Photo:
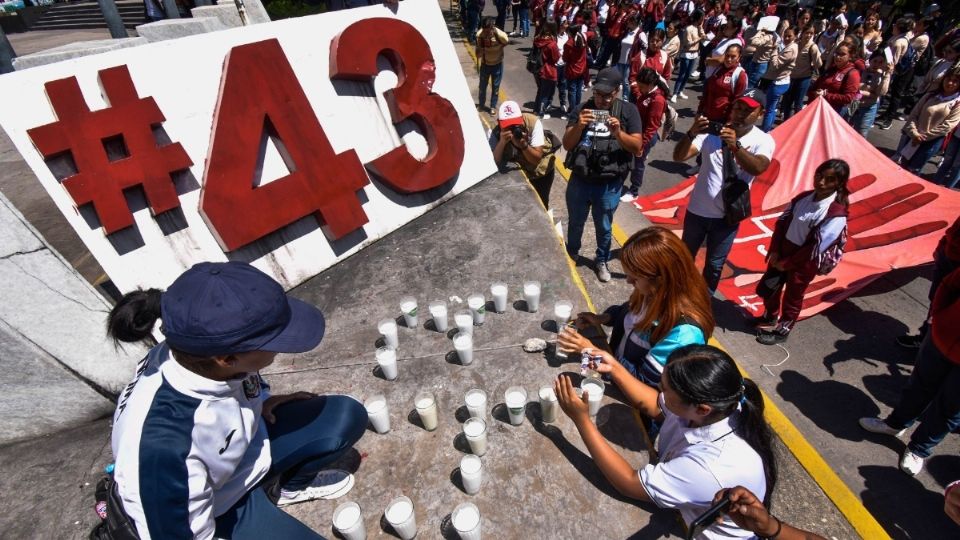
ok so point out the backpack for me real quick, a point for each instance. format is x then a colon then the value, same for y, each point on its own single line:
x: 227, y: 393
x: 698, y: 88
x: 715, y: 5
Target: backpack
x: 924, y: 62
x: 603, y: 160
x: 907, y: 61
x: 830, y: 258
x: 669, y: 125
x: 534, y: 60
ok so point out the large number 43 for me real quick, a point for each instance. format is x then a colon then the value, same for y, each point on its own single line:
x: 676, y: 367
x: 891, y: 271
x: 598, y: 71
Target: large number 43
x: 259, y: 91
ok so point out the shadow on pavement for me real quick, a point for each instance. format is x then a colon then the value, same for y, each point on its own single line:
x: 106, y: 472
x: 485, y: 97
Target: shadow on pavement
x: 871, y: 338
x: 887, y: 489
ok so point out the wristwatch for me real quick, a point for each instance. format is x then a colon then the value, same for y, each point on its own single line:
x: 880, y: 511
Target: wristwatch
x: 739, y: 145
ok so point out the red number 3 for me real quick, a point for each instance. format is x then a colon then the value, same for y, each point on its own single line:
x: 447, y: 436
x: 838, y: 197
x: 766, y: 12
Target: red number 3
x: 353, y: 55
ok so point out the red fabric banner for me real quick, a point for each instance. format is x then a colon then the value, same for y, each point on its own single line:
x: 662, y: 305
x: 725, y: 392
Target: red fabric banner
x: 896, y: 218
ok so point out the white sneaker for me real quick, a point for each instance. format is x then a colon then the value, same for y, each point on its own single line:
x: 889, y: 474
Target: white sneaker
x: 673, y: 98
x: 694, y: 74
x: 876, y: 425
x: 628, y: 197
x: 329, y: 484
x: 910, y: 463
x: 683, y: 96
x: 546, y: 116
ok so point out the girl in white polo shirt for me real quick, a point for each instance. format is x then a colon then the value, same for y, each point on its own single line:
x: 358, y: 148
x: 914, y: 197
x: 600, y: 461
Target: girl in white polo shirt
x: 713, y: 435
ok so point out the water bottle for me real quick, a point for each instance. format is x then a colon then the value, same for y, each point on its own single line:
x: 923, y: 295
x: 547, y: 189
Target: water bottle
x: 587, y: 140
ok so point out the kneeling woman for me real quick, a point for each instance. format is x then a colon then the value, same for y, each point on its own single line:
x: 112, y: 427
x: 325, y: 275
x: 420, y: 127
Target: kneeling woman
x: 201, y: 447
x: 668, y: 308
x: 713, y: 435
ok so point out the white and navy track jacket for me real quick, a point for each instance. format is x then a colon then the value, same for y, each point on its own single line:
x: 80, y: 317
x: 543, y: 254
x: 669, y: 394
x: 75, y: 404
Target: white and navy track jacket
x: 186, y: 447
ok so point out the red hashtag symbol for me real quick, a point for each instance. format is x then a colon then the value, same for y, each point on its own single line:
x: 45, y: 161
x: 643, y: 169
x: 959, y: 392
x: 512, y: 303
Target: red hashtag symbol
x: 82, y: 133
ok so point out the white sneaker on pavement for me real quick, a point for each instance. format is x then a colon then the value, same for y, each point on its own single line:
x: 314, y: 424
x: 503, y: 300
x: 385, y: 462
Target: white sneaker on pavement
x: 328, y: 484
x: 910, y: 463
x: 628, y: 197
x: 673, y: 98
x: 683, y: 96
x: 877, y: 425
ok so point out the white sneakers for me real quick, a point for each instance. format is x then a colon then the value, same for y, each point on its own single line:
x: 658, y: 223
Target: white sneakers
x: 877, y: 425
x: 683, y: 96
x: 673, y: 98
x: 329, y: 484
x: 910, y: 463
x: 628, y: 197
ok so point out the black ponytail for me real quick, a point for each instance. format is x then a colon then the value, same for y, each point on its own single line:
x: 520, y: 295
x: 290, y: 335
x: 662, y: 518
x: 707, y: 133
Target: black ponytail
x: 648, y: 75
x: 702, y: 374
x: 133, y: 317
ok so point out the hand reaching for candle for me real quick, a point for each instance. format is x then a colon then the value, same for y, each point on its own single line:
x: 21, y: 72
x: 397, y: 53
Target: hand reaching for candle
x: 571, y: 341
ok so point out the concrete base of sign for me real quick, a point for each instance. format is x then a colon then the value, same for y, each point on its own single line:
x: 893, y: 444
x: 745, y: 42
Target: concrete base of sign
x: 227, y: 14
x: 178, y: 28
x: 256, y: 13
x: 74, y: 50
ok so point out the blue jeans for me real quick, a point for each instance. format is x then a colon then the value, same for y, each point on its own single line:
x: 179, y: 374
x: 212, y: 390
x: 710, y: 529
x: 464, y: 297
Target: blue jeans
x: 864, y: 118
x: 574, y: 91
x: 684, y: 67
x: 923, y: 154
x: 755, y: 72
x: 473, y: 23
x: 719, y: 236
x: 584, y: 197
x: 625, y: 75
x: 545, y: 95
x: 307, y: 435
x: 774, y: 93
x: 932, y: 395
x: 493, y: 75
x: 795, y: 96
x: 640, y: 165
x: 524, y: 20
x: 949, y: 172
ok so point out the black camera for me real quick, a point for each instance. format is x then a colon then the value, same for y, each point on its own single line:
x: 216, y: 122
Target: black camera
x: 518, y: 132
x: 714, y: 128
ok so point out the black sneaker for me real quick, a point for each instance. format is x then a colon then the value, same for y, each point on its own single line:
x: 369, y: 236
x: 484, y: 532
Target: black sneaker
x: 884, y: 124
x: 772, y: 337
x: 908, y: 341
x: 763, y: 320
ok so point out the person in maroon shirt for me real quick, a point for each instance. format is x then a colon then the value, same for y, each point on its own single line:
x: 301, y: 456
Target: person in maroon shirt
x: 575, y: 66
x: 724, y: 86
x: 546, y: 43
x: 654, y: 58
x: 841, y: 82
x: 653, y: 93
x: 653, y: 13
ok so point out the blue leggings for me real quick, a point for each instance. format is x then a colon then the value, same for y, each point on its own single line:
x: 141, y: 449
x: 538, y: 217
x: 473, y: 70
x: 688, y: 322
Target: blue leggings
x: 307, y: 435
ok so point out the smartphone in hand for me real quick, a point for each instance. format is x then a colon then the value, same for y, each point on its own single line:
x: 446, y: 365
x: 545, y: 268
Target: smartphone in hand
x: 708, y: 518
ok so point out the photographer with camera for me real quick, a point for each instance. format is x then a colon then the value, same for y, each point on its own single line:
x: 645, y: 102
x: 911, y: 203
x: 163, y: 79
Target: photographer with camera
x: 733, y: 154
x: 520, y: 138
x: 601, y: 139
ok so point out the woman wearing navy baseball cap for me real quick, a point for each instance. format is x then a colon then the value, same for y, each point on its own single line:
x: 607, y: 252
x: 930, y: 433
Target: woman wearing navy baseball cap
x: 194, y: 457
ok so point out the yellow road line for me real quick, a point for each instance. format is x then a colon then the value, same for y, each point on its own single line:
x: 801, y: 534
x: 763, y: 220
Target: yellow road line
x: 836, y: 490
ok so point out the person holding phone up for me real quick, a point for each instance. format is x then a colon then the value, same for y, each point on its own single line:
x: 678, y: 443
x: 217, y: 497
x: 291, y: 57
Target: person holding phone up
x: 749, y: 513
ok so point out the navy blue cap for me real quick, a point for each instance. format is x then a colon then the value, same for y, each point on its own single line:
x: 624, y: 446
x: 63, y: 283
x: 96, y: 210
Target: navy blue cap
x: 231, y: 307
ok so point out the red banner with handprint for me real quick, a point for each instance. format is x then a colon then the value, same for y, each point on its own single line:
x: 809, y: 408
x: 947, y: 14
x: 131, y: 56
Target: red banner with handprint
x: 895, y: 221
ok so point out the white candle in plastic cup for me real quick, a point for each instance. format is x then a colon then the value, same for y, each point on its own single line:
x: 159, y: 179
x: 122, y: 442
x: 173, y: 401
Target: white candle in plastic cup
x: 499, y: 292
x: 438, y: 312
x: 478, y: 308
x: 556, y: 350
x: 387, y: 358
x: 348, y: 521
x: 476, y: 402
x: 531, y: 293
x: 562, y: 311
x: 463, y: 343
x: 516, y: 401
x: 378, y: 412
x: 475, y: 430
x: 427, y: 409
x: 388, y: 329
x: 400, y: 515
x: 466, y: 520
x: 471, y: 473
x: 548, y: 404
x: 408, y: 306
x: 594, y: 390
x: 464, y: 321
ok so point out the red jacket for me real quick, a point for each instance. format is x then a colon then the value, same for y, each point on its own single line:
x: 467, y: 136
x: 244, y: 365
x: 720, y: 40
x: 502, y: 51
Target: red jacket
x: 842, y: 86
x: 800, y: 257
x: 949, y: 245
x: 616, y: 24
x: 575, y: 58
x: 651, y: 107
x: 655, y: 10
x: 721, y: 90
x: 945, y: 315
x: 660, y: 62
x: 550, y: 54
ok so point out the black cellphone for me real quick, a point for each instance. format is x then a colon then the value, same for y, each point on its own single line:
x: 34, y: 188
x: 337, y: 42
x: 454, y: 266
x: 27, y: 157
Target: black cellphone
x: 708, y: 518
x: 714, y: 128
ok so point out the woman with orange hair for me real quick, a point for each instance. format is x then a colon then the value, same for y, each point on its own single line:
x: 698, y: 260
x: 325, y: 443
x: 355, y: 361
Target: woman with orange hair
x: 668, y: 308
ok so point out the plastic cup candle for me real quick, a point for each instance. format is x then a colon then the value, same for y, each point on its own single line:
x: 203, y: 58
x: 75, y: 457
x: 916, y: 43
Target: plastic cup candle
x: 471, y: 472
x: 475, y: 430
x: 594, y: 390
x: 438, y: 312
x: 516, y: 400
x: 399, y: 514
x: 427, y: 409
x: 387, y: 358
x: 477, y: 304
x: 499, y: 292
x: 531, y: 293
x: 348, y: 521
x: 463, y: 343
x: 464, y: 321
x: 379, y: 413
x: 388, y: 329
x: 408, y: 306
x: 562, y: 311
x: 548, y: 404
x: 466, y: 520
x: 476, y: 402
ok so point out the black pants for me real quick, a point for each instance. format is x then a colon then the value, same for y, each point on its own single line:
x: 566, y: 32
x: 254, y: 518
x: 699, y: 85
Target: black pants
x: 542, y: 185
x: 899, y: 91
